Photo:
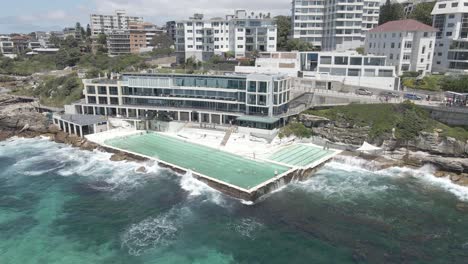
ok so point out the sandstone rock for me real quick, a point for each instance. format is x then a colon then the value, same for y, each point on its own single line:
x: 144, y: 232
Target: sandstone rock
x: 117, y: 157
x: 142, y: 169
x: 462, y: 207
x: 455, y: 177
x: 439, y: 174
x: 463, y: 181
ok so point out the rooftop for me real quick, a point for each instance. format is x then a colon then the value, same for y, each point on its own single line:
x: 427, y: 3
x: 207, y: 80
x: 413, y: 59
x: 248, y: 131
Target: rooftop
x: 403, y: 25
x: 83, y: 120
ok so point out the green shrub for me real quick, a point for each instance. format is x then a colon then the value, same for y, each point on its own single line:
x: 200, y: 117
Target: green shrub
x: 295, y: 128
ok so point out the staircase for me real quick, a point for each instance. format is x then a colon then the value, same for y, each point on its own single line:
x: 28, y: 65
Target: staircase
x: 227, y: 135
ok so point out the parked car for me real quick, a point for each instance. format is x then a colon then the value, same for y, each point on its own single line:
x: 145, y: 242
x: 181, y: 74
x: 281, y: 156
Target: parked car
x: 412, y: 97
x: 362, y: 91
x: 389, y: 94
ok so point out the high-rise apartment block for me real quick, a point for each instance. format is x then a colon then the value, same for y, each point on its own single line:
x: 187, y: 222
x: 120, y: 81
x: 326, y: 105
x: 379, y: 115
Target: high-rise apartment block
x: 104, y: 24
x: 334, y: 25
x: 451, y: 50
x: 242, y: 34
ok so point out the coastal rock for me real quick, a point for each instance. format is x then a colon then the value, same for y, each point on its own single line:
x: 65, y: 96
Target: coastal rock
x: 142, y: 169
x: 462, y: 207
x: 455, y: 177
x: 118, y: 157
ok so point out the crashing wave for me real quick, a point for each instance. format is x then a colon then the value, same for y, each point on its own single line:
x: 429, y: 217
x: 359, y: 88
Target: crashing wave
x: 154, y: 232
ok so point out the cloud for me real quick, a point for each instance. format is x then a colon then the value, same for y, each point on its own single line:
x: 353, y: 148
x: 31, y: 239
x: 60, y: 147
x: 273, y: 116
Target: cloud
x: 159, y: 11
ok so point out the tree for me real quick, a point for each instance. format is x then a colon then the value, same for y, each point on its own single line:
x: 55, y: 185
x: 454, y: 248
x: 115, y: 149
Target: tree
x: 422, y: 13
x: 70, y: 42
x: 162, y: 41
x: 360, y: 50
x: 390, y: 12
x: 102, y: 39
x: 88, y: 31
x: 299, y: 45
x: 55, y: 41
x: 283, y: 24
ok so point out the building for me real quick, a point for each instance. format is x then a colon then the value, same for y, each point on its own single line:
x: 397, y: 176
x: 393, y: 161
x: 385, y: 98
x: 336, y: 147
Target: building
x: 451, y: 19
x: 327, y: 68
x: 80, y: 125
x: 20, y: 42
x: 142, y: 35
x: 334, y: 25
x: 255, y: 100
x: 410, y: 5
x: 171, y: 29
x: 105, y: 24
x: 407, y: 44
x: 7, y: 47
x: 118, y: 42
x: 241, y: 34
x: 458, y: 56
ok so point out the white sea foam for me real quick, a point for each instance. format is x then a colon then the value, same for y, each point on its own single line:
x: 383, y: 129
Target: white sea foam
x: 119, y: 177
x: 196, y: 188
x: 246, y: 227
x: 363, y: 181
x: 154, y: 232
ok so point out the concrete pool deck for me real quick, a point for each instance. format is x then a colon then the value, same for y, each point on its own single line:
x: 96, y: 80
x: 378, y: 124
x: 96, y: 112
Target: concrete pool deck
x: 239, y: 176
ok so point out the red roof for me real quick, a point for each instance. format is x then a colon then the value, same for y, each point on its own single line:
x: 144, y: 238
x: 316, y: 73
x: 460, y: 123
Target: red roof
x: 403, y: 25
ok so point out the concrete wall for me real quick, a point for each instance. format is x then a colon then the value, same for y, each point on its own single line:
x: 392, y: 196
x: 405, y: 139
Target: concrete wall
x: 450, y: 115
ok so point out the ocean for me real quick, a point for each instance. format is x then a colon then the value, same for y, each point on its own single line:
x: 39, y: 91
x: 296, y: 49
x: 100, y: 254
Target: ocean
x: 63, y: 205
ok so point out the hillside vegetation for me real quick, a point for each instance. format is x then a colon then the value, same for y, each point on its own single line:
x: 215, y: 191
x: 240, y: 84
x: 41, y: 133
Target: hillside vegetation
x: 407, y: 119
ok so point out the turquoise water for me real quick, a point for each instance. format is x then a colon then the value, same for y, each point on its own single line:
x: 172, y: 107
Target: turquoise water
x: 62, y: 205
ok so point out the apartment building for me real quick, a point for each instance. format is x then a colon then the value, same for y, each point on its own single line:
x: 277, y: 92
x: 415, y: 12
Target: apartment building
x: 142, y: 35
x: 7, y: 47
x: 256, y: 100
x: 451, y: 19
x: 410, y: 5
x: 20, y: 42
x: 346, y: 68
x: 241, y: 33
x: 407, y: 44
x: 118, y: 42
x: 104, y: 24
x: 334, y: 25
x: 171, y: 29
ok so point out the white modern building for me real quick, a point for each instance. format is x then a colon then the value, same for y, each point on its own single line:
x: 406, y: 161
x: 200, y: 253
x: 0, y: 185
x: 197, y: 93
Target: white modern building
x: 104, y: 24
x: 410, y: 5
x: 407, y: 44
x: 241, y: 34
x: 451, y: 19
x: 334, y: 25
x: 255, y: 100
x: 7, y: 47
x: 347, y: 68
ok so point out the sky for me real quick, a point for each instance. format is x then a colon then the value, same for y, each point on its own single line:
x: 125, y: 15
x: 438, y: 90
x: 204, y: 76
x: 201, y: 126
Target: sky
x: 24, y: 16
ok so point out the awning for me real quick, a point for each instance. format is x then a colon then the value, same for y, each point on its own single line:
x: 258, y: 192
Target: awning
x: 366, y: 147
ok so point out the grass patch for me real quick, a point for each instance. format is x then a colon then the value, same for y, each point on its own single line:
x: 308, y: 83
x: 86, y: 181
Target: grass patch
x: 428, y: 83
x: 295, y: 128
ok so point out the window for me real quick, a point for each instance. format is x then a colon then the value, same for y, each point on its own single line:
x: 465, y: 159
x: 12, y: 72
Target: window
x: 262, y: 87
x: 423, y: 50
x: 391, y: 56
x: 408, y: 44
x: 454, y: 4
x: 442, y: 5
x: 448, y: 34
x: 252, y: 87
x: 90, y: 89
x: 422, y: 60
x: 325, y: 60
x: 392, y: 45
x: 425, y: 34
x: 341, y: 60
x: 356, y: 61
